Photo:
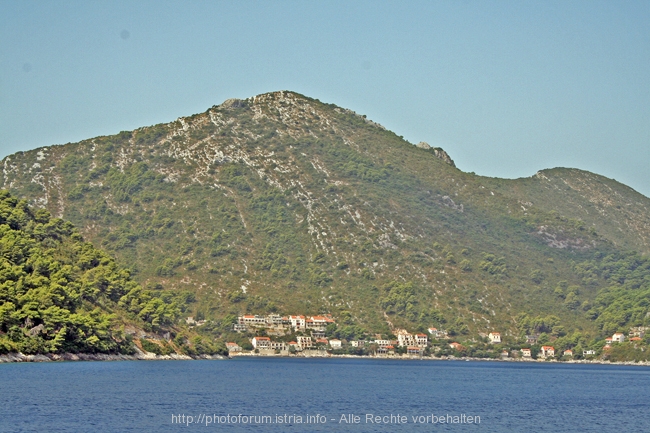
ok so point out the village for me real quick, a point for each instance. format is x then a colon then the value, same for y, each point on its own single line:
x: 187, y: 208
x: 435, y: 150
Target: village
x: 275, y: 335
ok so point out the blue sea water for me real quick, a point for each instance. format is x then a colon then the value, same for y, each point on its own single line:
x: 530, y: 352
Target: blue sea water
x: 161, y: 396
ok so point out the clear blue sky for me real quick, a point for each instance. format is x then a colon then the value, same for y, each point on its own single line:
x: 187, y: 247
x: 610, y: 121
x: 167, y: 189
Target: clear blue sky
x: 507, y: 88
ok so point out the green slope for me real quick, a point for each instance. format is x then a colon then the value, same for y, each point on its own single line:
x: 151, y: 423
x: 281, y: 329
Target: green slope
x: 61, y: 294
x: 612, y: 209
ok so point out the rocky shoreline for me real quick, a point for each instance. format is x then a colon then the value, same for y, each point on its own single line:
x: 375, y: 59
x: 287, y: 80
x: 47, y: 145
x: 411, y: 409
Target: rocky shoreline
x: 147, y: 356
x: 443, y: 358
x: 138, y: 356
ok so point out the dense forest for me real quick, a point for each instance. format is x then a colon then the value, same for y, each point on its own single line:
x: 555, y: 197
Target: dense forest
x: 61, y: 294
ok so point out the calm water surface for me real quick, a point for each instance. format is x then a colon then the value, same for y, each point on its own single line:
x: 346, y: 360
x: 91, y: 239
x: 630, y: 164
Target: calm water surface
x: 154, y: 396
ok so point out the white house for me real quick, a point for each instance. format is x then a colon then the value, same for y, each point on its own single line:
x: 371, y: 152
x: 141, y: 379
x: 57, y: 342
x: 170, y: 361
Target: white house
x: 618, y: 337
x: 261, y: 342
x: 588, y: 352
x: 382, y: 343
x: 421, y: 340
x: 278, y: 345
x: 494, y: 337
x: 274, y: 320
x: 526, y: 353
x: 297, y: 322
x: 335, y: 343
x: 233, y: 347
x: 546, y: 352
x: 568, y: 352
x: 437, y: 333
x: 250, y: 320
x: 405, y: 339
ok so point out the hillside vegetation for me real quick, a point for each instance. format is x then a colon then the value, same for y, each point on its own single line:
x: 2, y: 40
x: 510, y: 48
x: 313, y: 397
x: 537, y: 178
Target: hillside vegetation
x: 61, y: 294
x: 281, y: 203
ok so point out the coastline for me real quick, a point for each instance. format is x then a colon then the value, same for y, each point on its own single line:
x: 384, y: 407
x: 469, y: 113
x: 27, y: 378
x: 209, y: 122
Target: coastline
x: 140, y: 356
x: 147, y: 356
x: 430, y: 358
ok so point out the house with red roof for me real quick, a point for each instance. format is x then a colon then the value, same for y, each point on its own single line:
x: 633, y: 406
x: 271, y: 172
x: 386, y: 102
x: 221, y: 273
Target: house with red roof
x: 297, y: 322
x: 261, y: 342
x: 456, y: 346
x: 437, y: 333
x: 494, y: 337
x: 322, y: 341
x: 233, y: 347
x: 547, y: 351
x: 413, y: 350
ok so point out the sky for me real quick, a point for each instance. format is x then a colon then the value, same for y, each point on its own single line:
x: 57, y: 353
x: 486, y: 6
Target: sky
x: 507, y: 88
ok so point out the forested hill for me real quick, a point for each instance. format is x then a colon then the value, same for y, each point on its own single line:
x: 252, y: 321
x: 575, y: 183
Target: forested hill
x: 282, y: 203
x: 61, y: 294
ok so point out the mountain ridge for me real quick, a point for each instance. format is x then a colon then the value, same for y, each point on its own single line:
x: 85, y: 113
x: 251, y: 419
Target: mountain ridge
x: 282, y: 203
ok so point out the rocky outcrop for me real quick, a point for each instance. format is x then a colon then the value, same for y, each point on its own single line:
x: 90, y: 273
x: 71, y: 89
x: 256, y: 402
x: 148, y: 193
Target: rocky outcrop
x: 437, y: 151
x: 233, y: 103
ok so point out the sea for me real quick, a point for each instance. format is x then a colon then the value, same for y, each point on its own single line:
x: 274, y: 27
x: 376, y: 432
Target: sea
x: 256, y: 394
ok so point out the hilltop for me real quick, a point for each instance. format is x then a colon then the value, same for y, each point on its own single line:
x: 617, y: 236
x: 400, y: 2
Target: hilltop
x: 282, y: 203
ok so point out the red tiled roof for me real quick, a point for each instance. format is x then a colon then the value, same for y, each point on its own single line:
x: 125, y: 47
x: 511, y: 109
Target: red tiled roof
x: 262, y: 338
